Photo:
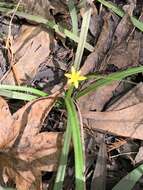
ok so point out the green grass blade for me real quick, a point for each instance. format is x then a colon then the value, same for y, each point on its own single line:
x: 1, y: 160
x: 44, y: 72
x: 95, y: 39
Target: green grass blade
x: 7, y: 5
x: 49, y: 24
x: 17, y: 95
x: 82, y: 38
x: 138, y: 24
x: 6, y: 188
x: 73, y: 14
x: 23, y: 89
x: 105, y: 80
x: 130, y: 180
x: 63, y: 159
x: 77, y: 142
x: 113, y: 7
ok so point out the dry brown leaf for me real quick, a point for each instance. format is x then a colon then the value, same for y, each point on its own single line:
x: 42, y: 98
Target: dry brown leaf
x: 94, y: 60
x: 124, y: 27
x: 125, y: 55
x: 24, y: 151
x: 134, y: 96
x: 30, y: 48
x: 97, y: 100
x: 117, y: 45
x: 43, y: 7
x: 123, y: 52
x: 124, y: 120
x: 99, y: 175
x: 126, y: 45
x: 140, y: 60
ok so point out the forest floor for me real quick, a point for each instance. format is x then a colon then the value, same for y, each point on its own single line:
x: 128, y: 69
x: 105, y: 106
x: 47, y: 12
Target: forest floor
x: 105, y: 43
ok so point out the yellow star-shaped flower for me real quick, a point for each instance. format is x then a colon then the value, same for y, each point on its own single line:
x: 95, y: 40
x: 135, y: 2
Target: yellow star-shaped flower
x: 74, y: 77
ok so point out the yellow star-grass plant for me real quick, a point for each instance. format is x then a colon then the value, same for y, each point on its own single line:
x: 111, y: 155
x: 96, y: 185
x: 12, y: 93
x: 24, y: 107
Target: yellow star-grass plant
x: 74, y: 77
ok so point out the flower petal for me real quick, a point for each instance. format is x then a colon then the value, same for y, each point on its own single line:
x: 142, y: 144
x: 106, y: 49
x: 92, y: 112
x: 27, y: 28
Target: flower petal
x: 73, y: 71
x: 76, y: 84
x: 70, y: 81
x: 68, y: 75
x: 82, y: 78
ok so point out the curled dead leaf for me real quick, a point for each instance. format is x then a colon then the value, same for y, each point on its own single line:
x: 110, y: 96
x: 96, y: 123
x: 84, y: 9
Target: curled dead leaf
x: 123, y: 119
x: 30, y: 49
x: 25, y: 152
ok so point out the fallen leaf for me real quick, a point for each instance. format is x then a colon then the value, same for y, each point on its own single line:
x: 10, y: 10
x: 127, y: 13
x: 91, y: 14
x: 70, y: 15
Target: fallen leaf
x: 99, y: 175
x: 123, y: 56
x: 97, y: 100
x: 117, y: 43
x: 124, y: 27
x: 140, y: 60
x: 96, y: 22
x: 124, y: 120
x: 44, y: 7
x: 30, y: 49
x: 35, y: 7
x: 132, y: 97
x: 93, y: 61
x: 126, y: 45
x: 25, y: 152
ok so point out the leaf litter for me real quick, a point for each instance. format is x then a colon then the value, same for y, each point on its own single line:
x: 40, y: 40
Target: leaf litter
x: 24, y: 151
x: 112, y: 115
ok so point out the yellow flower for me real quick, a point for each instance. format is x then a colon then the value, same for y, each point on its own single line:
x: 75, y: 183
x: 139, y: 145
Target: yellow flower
x: 74, y: 77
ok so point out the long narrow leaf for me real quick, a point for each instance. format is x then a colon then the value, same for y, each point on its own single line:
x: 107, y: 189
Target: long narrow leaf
x: 82, y: 38
x: 23, y: 89
x: 138, y: 24
x: 63, y: 159
x: 105, y: 80
x: 130, y: 180
x: 50, y: 24
x: 78, y: 150
x: 17, y: 95
x: 6, y: 188
x: 73, y: 14
x: 7, y: 5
